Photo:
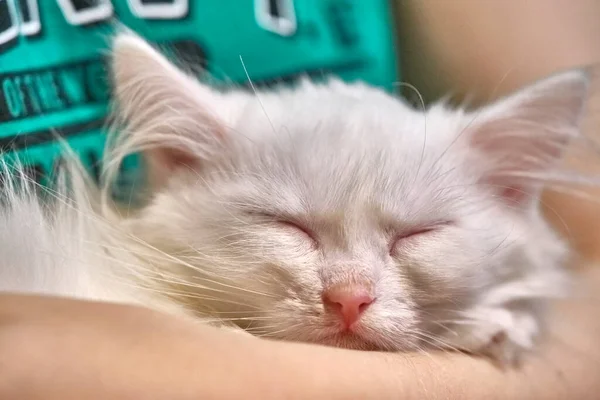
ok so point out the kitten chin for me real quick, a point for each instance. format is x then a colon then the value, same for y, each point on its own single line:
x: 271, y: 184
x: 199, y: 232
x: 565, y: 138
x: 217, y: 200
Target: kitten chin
x: 328, y: 213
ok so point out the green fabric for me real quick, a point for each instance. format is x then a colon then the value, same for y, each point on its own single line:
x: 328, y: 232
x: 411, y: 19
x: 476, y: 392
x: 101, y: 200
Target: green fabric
x: 52, y: 75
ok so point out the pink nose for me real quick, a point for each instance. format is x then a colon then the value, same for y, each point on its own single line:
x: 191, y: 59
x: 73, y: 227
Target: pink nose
x: 349, y: 301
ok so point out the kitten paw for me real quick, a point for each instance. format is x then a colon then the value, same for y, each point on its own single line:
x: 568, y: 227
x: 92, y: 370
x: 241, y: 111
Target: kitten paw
x: 504, y: 335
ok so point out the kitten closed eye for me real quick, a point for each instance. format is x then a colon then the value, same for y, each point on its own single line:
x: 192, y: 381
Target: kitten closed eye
x: 288, y: 224
x: 295, y: 226
x: 401, y: 238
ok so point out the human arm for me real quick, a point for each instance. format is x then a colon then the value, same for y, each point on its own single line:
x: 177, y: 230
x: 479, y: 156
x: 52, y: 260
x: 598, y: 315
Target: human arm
x: 57, y: 349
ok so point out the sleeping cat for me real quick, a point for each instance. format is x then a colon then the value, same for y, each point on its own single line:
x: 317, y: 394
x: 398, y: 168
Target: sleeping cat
x: 330, y: 213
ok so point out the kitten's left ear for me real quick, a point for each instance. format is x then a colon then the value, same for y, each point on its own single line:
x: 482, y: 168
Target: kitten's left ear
x: 174, y: 119
x: 520, y: 139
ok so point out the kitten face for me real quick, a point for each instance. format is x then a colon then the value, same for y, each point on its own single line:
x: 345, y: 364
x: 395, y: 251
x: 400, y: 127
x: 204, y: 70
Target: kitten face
x: 336, y: 214
x: 291, y: 218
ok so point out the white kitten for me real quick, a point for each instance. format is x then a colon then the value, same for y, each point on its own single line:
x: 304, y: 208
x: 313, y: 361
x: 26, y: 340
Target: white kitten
x: 329, y: 213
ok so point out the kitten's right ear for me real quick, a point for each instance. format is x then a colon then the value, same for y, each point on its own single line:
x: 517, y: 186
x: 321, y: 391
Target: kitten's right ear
x: 171, y: 117
x: 521, y: 138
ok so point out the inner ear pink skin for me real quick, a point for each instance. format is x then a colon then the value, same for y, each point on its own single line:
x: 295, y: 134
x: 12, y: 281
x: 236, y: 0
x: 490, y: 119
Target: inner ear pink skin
x: 173, y: 158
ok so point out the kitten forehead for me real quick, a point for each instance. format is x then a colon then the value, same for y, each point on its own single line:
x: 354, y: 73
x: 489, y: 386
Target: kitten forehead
x: 321, y: 124
x: 371, y: 153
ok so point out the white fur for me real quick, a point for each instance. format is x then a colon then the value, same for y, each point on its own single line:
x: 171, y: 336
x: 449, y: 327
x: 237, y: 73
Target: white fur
x: 352, y: 165
x: 62, y: 245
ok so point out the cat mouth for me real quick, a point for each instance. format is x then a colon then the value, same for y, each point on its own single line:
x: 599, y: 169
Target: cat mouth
x: 351, y: 340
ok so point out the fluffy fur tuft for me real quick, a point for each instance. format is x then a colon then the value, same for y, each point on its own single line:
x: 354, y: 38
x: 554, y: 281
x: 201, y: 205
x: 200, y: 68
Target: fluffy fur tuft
x: 261, y: 201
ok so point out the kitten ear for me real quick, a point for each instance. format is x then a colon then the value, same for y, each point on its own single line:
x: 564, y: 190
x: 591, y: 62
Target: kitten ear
x: 521, y: 138
x: 170, y: 116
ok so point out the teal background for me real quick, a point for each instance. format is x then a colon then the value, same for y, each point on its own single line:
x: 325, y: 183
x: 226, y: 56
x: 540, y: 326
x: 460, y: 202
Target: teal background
x: 225, y: 29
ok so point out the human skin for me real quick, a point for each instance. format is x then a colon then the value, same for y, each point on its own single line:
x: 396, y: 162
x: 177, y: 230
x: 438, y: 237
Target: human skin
x: 59, y: 349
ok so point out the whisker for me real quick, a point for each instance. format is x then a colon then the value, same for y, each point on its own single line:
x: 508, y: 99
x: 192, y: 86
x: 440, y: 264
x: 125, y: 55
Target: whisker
x: 256, y: 93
